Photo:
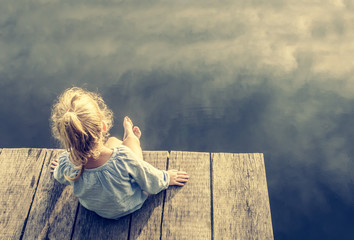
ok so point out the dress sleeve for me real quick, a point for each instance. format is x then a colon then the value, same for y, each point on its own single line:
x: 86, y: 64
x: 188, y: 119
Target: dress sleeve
x: 63, y: 168
x: 149, y: 178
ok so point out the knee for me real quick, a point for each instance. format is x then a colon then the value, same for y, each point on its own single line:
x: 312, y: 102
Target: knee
x: 113, y: 142
x: 113, y: 139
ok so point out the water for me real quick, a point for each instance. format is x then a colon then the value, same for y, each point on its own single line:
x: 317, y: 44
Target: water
x: 230, y: 77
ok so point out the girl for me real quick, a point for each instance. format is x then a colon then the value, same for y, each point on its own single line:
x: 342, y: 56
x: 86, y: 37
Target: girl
x: 108, y: 176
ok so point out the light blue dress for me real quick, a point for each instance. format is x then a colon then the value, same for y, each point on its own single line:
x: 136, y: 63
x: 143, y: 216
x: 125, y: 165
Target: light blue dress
x: 118, y: 187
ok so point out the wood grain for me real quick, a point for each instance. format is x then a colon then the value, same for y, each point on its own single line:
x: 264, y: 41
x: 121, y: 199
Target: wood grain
x: 146, y: 222
x: 187, y: 209
x: 53, y: 210
x: 20, y: 170
x: 240, y: 197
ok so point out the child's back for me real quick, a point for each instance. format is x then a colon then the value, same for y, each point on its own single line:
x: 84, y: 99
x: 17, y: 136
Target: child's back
x: 118, y: 187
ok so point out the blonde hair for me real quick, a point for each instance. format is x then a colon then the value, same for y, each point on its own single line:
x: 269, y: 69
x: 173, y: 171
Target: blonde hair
x: 77, y: 123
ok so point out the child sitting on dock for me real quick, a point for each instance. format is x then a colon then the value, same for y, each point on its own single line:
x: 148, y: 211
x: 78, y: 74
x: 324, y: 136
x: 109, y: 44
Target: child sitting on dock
x: 108, y: 176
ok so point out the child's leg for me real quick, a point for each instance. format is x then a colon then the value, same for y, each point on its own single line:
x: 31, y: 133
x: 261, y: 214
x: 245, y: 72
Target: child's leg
x: 133, y: 143
x: 113, y: 142
x: 131, y: 139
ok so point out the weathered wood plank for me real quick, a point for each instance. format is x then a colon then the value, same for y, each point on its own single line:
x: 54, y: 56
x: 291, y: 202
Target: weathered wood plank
x: 146, y: 222
x: 240, y: 197
x: 20, y: 170
x: 187, y: 210
x: 53, y: 210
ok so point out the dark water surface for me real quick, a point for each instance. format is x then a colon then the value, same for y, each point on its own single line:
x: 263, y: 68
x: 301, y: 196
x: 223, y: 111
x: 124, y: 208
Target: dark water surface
x: 273, y: 77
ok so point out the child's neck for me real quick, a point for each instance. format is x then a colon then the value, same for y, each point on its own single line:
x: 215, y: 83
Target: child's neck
x: 105, y: 155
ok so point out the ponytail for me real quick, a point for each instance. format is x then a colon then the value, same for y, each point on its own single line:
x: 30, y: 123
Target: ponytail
x: 75, y: 139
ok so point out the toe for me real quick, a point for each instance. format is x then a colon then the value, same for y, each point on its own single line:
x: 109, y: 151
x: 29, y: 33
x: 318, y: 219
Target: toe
x: 137, y: 131
x: 128, y: 122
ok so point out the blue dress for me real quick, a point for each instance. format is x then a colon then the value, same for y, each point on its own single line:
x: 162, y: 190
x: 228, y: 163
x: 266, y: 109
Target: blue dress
x: 118, y: 187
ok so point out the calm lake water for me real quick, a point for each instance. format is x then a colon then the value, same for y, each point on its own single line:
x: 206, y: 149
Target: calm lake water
x: 273, y: 77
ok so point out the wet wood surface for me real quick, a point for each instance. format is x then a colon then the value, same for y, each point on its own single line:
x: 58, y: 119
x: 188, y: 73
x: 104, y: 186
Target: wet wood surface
x: 225, y: 198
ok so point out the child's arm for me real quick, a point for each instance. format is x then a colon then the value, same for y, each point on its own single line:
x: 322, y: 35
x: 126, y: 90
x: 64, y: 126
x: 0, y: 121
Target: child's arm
x: 149, y: 178
x: 58, y: 167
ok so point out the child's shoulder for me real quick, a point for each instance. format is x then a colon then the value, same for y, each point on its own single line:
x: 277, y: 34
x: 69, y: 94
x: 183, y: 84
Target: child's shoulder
x: 64, y: 159
x: 64, y: 155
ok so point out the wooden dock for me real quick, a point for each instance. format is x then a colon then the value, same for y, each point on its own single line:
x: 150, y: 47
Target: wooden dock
x: 225, y: 198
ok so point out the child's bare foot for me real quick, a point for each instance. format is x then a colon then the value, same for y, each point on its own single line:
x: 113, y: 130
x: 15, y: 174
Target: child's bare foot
x: 127, y: 123
x: 128, y: 127
x: 137, y: 131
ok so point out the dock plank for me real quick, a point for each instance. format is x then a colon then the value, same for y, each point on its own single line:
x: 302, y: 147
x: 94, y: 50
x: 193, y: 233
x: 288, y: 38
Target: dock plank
x: 240, y: 197
x: 53, y: 210
x: 20, y: 170
x: 146, y: 222
x: 187, y: 210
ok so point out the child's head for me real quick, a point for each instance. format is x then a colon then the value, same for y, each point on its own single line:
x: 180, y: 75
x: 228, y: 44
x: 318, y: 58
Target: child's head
x: 81, y: 121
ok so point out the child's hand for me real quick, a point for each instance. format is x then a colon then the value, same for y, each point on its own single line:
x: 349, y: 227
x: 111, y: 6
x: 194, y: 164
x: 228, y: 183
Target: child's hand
x: 53, y: 165
x: 178, y: 178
